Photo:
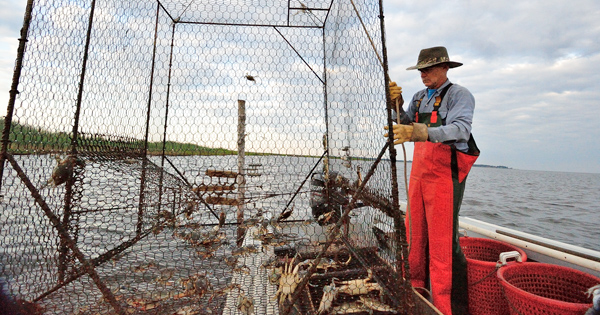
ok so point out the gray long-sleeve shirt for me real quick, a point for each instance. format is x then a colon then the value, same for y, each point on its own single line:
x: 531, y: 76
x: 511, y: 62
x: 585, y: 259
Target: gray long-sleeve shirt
x: 457, y: 108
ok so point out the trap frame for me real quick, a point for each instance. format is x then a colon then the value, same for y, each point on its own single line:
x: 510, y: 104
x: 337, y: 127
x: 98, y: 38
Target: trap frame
x: 146, y: 143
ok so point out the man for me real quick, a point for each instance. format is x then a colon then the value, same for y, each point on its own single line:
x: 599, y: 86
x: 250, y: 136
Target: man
x: 438, y: 120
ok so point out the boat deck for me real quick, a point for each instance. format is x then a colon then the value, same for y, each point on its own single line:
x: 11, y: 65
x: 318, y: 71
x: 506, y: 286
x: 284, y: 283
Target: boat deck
x: 254, y: 280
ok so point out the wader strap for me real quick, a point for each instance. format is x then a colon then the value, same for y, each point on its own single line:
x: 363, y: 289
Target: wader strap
x: 436, y: 106
x: 454, y: 163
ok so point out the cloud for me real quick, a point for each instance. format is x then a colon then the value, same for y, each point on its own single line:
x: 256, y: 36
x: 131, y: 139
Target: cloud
x: 11, y: 20
x: 533, y: 67
x: 11, y: 17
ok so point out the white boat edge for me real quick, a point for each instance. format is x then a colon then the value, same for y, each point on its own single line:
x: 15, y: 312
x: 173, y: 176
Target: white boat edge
x: 537, y: 248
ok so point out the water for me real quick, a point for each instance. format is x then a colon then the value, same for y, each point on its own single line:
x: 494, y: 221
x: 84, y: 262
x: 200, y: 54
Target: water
x: 556, y: 205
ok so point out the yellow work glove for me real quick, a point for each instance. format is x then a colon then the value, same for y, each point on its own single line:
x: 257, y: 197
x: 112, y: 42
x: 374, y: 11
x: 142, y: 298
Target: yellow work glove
x: 395, y: 91
x: 413, y: 133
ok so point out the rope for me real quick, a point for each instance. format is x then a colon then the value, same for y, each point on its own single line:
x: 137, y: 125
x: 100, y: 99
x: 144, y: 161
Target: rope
x: 498, y: 265
x: 181, y: 14
x: 405, y: 180
x: 366, y: 32
x: 425, y: 291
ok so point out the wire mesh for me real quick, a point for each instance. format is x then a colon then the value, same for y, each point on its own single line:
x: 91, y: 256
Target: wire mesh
x: 189, y: 157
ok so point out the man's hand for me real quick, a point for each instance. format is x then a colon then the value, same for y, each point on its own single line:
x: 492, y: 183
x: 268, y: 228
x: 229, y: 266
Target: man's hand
x: 395, y: 91
x: 404, y: 133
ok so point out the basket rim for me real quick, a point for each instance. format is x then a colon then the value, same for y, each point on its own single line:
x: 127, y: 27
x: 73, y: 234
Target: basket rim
x: 508, y: 285
x: 493, y: 241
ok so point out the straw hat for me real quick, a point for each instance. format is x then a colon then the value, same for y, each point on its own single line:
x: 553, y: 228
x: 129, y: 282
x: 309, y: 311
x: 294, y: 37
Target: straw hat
x: 432, y: 56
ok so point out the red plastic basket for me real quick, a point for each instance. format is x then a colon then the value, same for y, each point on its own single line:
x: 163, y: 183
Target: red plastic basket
x: 485, y: 293
x: 537, y: 288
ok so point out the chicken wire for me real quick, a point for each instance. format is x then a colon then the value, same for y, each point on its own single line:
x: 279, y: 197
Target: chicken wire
x: 166, y: 157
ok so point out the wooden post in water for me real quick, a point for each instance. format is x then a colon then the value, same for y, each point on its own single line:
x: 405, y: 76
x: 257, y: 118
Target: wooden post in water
x: 241, y: 179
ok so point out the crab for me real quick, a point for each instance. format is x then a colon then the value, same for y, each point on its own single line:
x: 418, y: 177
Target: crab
x: 64, y: 170
x: 363, y: 305
x: 375, y: 305
x: 274, y: 276
x: 197, y: 284
x: 246, y: 250
x: 288, y: 281
x: 329, y: 294
x: 326, y: 264
x: 360, y: 286
x: 245, y: 304
x: 348, y: 308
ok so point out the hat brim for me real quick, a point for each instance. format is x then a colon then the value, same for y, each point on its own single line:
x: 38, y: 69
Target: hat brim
x: 451, y: 64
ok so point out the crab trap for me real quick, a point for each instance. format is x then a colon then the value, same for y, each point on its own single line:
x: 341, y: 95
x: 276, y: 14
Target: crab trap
x: 195, y: 157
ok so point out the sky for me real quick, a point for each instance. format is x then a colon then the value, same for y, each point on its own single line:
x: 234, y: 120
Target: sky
x: 532, y: 65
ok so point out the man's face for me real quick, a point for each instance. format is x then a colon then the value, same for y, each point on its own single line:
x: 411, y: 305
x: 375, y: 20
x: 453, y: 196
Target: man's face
x: 433, y: 77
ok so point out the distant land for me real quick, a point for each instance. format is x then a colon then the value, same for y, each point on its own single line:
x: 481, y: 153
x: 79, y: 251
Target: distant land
x: 475, y: 165
x: 491, y: 166
x: 34, y: 140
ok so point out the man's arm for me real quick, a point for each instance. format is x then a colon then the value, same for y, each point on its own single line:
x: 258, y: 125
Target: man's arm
x: 461, y: 105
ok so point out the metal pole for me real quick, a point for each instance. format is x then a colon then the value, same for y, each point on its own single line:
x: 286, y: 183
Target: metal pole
x: 140, y: 219
x: 333, y: 233
x: 402, y: 266
x: 69, y: 185
x: 300, y: 186
x: 14, y: 89
x: 187, y: 183
x: 106, y: 292
x: 326, y: 135
x: 164, y: 144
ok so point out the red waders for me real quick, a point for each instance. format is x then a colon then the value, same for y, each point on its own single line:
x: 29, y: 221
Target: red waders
x: 437, y: 183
